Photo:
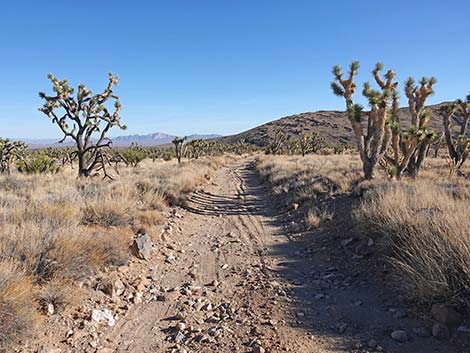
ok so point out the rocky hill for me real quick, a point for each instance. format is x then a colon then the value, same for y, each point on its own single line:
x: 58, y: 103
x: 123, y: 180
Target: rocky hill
x: 333, y: 125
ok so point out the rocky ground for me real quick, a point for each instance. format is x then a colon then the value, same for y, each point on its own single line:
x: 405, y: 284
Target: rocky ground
x: 229, y: 274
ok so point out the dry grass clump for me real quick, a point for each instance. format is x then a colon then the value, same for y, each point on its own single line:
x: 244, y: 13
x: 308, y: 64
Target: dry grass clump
x: 423, y: 223
x: 17, y: 315
x: 304, y: 179
x: 56, y: 230
x: 316, y: 216
x: 428, y: 227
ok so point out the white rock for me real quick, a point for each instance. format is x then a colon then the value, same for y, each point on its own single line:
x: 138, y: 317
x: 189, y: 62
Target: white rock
x: 104, y: 316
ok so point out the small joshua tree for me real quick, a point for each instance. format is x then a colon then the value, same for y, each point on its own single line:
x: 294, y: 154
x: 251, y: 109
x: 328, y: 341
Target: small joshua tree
x: 196, y: 148
x: 458, y: 147
x: 373, y: 142
x: 133, y: 155
x: 86, y: 119
x: 410, y: 146
x: 415, y: 142
x: 279, y: 143
x: 9, y: 152
x: 179, y: 147
x: 310, y: 142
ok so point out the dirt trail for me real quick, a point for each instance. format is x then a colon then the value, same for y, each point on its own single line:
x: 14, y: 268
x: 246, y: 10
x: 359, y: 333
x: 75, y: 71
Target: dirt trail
x: 234, y: 281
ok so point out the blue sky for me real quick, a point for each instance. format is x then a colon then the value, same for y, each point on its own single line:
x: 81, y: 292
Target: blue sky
x: 223, y: 66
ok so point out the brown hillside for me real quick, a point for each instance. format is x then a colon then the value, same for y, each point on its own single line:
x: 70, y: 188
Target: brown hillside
x: 333, y: 125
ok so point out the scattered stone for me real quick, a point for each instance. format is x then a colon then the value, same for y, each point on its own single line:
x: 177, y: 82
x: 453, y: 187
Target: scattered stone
x: 50, y: 309
x: 224, y: 267
x: 440, y: 331
x: 214, y: 283
x: 161, y: 298
x: 207, y: 307
x: 181, y: 326
x: 51, y: 350
x: 421, y: 332
x: 399, y: 335
x: 294, y: 207
x: 445, y: 314
x: 142, y: 246
x: 112, y: 286
x: 372, y: 343
x: 105, y: 350
x: 465, y: 329
x: 104, y: 316
x: 258, y: 349
x: 170, y: 260
x: 179, y: 337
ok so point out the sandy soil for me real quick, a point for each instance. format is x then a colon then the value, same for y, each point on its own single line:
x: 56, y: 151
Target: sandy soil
x: 230, y: 276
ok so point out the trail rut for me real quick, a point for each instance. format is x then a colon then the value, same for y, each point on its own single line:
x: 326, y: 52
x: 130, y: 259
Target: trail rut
x: 267, y: 292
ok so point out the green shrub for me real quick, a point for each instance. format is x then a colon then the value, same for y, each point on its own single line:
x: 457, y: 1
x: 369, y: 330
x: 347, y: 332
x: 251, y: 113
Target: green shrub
x: 134, y: 154
x: 38, y: 164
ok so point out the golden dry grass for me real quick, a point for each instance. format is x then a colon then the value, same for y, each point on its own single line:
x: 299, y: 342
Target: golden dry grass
x: 303, y: 179
x: 424, y: 222
x: 57, y: 229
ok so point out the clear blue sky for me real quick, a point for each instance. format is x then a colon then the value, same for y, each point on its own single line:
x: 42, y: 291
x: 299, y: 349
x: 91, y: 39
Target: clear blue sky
x: 220, y: 66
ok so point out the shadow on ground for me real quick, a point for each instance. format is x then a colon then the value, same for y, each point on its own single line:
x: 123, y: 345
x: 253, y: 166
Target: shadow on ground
x: 335, y: 292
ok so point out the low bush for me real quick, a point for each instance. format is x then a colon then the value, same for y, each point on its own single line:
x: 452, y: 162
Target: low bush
x: 427, y: 228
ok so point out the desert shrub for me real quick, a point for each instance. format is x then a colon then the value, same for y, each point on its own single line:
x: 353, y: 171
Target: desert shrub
x: 316, y: 216
x: 427, y: 228
x: 17, y: 308
x: 134, y: 154
x: 37, y: 164
x: 112, y: 212
x: 57, y: 230
x: 167, y: 156
x: 302, y: 180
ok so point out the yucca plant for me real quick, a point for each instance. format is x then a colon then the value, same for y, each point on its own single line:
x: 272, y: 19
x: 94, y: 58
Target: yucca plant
x: 38, y: 163
x: 459, y: 145
x: 10, y: 151
x: 179, y: 147
x: 372, y: 142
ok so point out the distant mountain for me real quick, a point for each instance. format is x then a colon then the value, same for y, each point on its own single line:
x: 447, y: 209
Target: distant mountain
x: 155, y: 139
x: 152, y: 139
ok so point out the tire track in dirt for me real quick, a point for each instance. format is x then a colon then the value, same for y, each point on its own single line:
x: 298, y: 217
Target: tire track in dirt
x: 259, y: 302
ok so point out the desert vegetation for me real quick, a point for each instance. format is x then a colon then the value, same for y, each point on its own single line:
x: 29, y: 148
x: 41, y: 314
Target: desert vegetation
x: 420, y: 224
x: 79, y: 119
x: 57, y: 230
x: 71, y: 213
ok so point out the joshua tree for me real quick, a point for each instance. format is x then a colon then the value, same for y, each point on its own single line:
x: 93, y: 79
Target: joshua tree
x: 373, y: 143
x: 196, y: 148
x: 459, y: 148
x: 9, y: 152
x: 179, y: 147
x: 310, y: 142
x: 89, y: 116
x: 415, y: 142
x: 279, y: 143
x: 410, y: 146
